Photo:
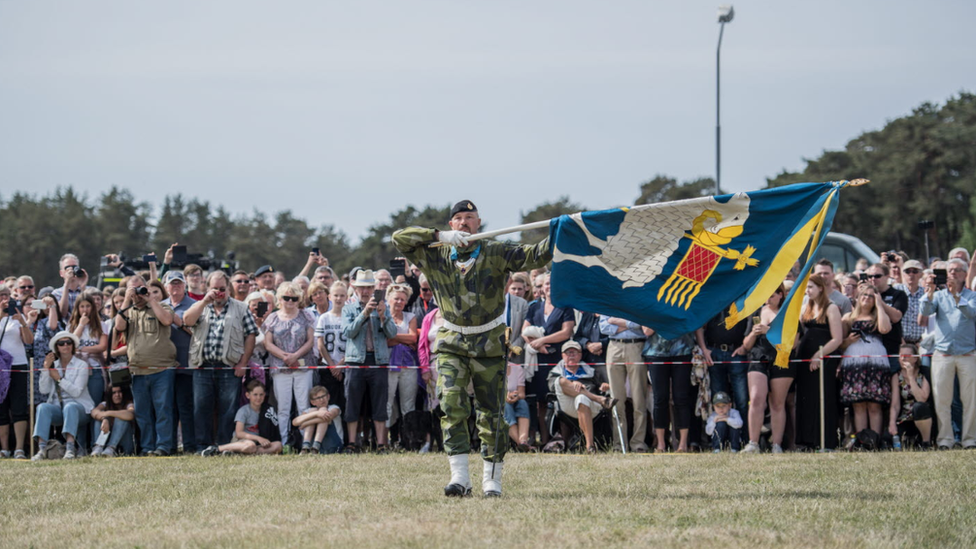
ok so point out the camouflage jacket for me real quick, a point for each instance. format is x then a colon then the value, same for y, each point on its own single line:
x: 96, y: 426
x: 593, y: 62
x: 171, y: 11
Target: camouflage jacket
x: 476, y: 297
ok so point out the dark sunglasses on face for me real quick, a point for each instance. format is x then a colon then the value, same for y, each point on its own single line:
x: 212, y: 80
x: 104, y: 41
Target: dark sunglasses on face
x: 425, y: 289
x: 242, y: 282
x: 877, y: 276
x: 64, y: 342
x: 27, y: 287
x: 289, y: 298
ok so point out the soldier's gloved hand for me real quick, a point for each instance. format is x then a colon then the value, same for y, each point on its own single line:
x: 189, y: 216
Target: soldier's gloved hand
x: 453, y: 238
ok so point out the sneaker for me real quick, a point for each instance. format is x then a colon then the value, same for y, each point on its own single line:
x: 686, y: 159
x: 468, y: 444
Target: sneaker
x: 97, y: 450
x: 425, y: 449
x: 40, y: 455
x: 733, y: 451
x: 226, y: 453
x: 160, y: 452
x: 210, y: 451
x: 777, y: 449
x: 716, y: 451
x: 108, y: 452
x: 20, y: 454
x: 69, y: 452
x: 751, y: 448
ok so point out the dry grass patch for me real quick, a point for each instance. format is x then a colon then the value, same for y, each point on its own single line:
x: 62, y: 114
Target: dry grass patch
x: 840, y: 500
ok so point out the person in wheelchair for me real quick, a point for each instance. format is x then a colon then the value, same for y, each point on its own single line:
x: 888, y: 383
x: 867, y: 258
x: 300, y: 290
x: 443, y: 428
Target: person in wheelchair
x: 575, y: 385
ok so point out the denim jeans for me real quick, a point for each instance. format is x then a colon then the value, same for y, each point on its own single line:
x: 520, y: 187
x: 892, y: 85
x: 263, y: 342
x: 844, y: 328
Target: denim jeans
x: 183, y: 410
x: 121, y: 436
x: 732, y: 379
x: 214, y: 389
x: 722, y: 434
x: 515, y: 411
x: 96, y: 389
x: 72, y: 416
x: 152, y: 396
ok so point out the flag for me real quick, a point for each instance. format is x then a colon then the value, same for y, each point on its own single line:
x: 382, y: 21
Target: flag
x: 673, y: 266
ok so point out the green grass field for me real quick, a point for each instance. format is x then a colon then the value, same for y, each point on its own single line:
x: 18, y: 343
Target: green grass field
x: 841, y: 500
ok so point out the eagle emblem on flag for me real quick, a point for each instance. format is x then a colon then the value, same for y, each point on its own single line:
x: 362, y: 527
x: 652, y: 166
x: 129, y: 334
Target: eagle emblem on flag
x: 649, y: 235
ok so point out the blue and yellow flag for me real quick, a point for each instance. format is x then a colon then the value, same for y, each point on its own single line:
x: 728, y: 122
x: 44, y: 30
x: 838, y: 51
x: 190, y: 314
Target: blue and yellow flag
x: 672, y: 266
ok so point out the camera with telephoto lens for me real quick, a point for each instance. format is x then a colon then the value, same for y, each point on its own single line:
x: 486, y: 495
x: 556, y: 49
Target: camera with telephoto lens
x: 75, y: 270
x: 11, y: 309
x: 142, y: 290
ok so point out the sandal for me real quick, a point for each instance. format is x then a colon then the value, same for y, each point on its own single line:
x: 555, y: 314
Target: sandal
x: 350, y: 449
x: 609, y: 403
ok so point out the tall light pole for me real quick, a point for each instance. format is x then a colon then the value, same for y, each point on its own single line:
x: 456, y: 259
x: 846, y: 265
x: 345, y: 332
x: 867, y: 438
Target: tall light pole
x: 725, y: 15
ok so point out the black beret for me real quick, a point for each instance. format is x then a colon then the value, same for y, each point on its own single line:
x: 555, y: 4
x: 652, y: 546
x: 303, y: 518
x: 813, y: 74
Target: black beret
x: 463, y: 206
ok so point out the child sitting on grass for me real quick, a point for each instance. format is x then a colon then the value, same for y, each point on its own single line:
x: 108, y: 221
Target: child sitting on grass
x: 321, y: 425
x: 256, y: 427
x: 723, y: 423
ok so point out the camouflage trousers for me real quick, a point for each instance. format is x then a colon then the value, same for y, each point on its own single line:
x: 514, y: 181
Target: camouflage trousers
x: 488, y: 376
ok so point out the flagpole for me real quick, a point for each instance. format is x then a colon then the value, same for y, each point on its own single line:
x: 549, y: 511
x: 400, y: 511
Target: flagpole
x: 490, y: 234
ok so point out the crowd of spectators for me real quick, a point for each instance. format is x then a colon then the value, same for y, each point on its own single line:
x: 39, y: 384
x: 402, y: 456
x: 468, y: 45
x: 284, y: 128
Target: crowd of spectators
x: 186, y: 361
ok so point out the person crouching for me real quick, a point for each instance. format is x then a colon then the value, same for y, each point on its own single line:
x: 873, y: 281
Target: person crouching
x: 723, y: 424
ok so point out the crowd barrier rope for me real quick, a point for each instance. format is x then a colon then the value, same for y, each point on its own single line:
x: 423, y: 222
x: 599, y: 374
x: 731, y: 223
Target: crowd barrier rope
x: 415, y: 367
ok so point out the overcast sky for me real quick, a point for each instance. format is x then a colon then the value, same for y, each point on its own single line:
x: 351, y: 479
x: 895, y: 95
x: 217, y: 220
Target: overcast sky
x: 346, y: 111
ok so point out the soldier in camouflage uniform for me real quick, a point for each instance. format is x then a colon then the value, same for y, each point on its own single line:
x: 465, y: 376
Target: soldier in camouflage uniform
x: 468, y: 281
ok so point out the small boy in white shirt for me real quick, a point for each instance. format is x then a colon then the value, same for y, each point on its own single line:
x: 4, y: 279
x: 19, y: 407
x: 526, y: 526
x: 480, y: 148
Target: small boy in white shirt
x: 724, y: 424
x: 321, y: 425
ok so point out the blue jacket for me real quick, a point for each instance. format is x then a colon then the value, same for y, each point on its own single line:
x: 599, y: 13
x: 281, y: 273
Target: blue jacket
x: 353, y: 327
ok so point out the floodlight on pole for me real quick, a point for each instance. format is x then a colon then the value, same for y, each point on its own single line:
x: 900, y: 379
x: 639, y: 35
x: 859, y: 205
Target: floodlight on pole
x: 725, y: 14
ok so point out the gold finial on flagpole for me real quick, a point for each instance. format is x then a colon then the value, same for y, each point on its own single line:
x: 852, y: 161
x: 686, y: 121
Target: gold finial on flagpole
x: 858, y: 182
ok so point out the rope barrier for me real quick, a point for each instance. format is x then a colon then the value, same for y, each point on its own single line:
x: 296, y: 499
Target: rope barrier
x: 414, y: 367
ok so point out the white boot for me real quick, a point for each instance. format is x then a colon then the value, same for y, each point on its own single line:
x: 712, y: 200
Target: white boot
x: 460, y: 484
x: 491, y: 483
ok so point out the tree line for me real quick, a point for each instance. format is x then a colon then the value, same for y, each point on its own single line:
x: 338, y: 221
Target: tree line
x: 922, y: 167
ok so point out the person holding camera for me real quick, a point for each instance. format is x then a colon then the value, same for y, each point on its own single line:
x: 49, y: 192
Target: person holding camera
x: 954, y: 307
x: 15, y: 335
x: 175, y: 283
x: 865, y: 376
x: 224, y: 334
x: 64, y: 379
x: 146, y: 322
x: 895, y: 304
x: 74, y: 278
x: 367, y: 324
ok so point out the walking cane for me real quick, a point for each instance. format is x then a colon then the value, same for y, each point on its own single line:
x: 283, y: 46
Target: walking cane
x: 823, y: 434
x: 620, y: 431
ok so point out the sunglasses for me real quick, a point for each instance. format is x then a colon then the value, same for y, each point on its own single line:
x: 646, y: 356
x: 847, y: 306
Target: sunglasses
x: 242, y: 282
x: 27, y: 287
x: 425, y: 289
x: 64, y: 342
x: 289, y: 298
x: 875, y: 276
x: 912, y: 271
